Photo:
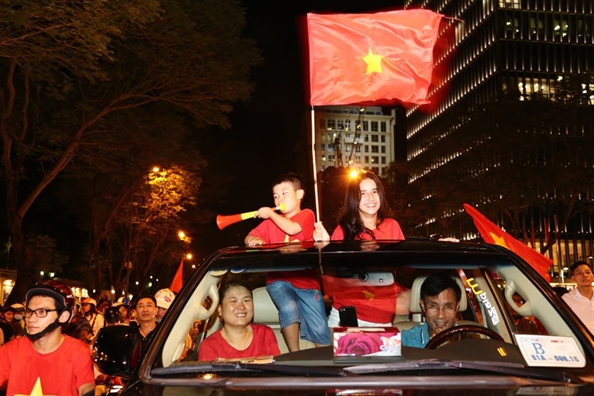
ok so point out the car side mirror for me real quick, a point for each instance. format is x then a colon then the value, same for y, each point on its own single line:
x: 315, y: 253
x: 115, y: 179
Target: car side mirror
x: 117, y: 350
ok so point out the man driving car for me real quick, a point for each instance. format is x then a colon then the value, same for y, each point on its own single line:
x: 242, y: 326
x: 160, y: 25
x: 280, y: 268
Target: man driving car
x: 440, y: 302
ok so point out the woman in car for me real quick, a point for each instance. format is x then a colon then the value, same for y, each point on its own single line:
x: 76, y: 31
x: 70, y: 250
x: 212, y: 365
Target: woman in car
x: 365, y: 216
x: 239, y: 337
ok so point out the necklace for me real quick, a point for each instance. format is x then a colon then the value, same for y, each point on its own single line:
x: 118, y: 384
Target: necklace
x: 240, y: 344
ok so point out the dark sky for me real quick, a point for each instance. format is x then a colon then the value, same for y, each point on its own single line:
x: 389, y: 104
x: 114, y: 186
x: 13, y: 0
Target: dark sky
x: 267, y: 129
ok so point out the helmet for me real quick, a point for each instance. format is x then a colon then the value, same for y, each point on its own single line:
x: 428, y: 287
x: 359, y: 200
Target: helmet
x: 65, y: 290
x: 18, y: 307
x: 58, y: 291
x: 89, y: 300
x: 62, y: 295
x: 121, y: 301
x: 112, y: 315
x: 164, y: 298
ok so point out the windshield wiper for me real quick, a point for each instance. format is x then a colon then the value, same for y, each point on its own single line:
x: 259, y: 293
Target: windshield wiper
x: 228, y: 367
x: 507, y: 368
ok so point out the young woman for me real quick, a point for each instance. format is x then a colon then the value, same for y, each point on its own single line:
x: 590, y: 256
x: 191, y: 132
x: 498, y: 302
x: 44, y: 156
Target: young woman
x: 239, y: 337
x: 364, y: 216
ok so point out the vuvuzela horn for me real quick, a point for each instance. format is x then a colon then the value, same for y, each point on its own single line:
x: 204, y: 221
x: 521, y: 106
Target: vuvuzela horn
x: 223, y: 221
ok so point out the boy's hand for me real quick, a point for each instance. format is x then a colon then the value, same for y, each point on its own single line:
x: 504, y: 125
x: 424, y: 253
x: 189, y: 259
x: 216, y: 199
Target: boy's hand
x: 255, y: 241
x: 265, y: 212
x: 320, y: 233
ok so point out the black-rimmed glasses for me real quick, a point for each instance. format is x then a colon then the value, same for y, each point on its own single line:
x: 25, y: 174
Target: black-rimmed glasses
x: 39, y: 312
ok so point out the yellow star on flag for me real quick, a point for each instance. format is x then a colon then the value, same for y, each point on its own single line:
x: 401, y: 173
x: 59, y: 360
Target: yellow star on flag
x: 499, y: 240
x: 368, y: 295
x: 37, y: 390
x: 374, y: 62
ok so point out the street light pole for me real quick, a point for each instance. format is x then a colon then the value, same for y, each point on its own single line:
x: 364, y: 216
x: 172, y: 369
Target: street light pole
x: 129, y: 266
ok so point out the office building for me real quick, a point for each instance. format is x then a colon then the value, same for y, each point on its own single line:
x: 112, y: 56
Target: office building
x: 496, y: 50
x: 354, y: 137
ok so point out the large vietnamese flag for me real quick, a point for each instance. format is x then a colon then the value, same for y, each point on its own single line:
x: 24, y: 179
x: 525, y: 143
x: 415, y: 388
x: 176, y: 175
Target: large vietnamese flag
x: 491, y: 233
x: 359, y: 58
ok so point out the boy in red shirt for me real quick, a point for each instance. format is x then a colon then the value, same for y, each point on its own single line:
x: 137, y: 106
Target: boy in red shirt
x: 296, y: 294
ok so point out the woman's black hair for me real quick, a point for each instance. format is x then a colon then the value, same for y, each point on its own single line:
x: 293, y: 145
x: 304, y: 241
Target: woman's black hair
x: 349, y: 219
x: 227, y: 285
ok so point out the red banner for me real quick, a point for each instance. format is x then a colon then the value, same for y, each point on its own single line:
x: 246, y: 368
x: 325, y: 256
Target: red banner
x: 178, y: 279
x: 361, y: 58
x: 491, y: 233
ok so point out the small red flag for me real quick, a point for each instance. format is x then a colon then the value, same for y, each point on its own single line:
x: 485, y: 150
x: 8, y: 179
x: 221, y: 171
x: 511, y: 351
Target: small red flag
x: 359, y: 58
x: 491, y: 233
x: 178, y: 279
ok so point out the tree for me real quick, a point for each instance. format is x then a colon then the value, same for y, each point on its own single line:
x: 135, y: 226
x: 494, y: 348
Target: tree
x: 44, y: 254
x: 153, y: 216
x: 72, y: 71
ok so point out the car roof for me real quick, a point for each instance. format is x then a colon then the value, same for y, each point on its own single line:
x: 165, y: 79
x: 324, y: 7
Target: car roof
x: 417, y: 250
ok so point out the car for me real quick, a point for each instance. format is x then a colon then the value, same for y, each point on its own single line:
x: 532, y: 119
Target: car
x: 498, y: 357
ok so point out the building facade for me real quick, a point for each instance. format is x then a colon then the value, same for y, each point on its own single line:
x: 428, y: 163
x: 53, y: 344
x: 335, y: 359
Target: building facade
x: 354, y: 137
x: 523, y: 51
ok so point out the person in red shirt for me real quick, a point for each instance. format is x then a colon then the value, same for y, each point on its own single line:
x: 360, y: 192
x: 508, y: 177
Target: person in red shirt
x: 47, y: 362
x: 364, y: 216
x: 239, y: 337
x: 296, y: 294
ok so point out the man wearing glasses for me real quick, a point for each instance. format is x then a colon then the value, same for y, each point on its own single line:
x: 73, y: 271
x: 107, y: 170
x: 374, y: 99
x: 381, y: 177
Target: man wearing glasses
x: 440, y: 301
x: 46, y: 362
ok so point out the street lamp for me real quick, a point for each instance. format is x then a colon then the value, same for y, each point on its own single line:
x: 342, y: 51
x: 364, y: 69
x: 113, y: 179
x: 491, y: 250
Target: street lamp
x: 353, y: 173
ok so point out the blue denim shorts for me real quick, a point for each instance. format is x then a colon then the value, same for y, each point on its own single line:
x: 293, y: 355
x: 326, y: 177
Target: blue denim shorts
x: 303, y: 306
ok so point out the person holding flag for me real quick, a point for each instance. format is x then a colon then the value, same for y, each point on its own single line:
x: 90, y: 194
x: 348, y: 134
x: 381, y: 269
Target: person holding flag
x: 365, y: 216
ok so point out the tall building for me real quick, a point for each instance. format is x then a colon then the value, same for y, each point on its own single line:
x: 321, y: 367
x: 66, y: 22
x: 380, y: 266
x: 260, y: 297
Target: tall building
x: 520, y: 49
x: 354, y: 137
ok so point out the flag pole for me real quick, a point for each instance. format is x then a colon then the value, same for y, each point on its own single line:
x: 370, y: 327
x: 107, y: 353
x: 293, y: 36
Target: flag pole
x: 313, y: 160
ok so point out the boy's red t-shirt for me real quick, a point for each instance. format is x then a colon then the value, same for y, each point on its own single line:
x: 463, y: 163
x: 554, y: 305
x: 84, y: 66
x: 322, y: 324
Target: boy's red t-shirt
x: 270, y: 233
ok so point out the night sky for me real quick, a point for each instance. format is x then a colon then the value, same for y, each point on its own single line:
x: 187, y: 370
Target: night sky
x: 269, y: 131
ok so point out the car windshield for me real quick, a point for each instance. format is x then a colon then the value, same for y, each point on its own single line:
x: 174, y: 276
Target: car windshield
x: 507, y: 319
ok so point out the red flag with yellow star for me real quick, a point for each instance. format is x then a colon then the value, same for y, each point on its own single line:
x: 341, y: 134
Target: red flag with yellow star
x: 361, y: 58
x: 491, y: 233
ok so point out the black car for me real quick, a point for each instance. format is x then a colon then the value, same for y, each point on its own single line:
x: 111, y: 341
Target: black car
x: 554, y: 356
